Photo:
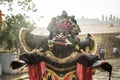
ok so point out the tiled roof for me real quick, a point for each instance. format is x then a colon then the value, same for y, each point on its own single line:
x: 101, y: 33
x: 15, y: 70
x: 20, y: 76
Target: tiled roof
x: 99, y: 29
x: 94, y: 29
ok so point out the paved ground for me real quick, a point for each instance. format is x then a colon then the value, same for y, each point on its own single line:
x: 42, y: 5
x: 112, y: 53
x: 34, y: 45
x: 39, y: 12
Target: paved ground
x: 98, y: 76
x: 115, y: 73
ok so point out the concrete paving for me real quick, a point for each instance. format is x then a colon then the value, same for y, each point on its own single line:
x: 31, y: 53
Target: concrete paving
x: 115, y: 73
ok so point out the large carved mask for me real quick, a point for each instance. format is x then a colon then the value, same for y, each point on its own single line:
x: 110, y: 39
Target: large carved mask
x: 61, y: 41
x: 63, y: 31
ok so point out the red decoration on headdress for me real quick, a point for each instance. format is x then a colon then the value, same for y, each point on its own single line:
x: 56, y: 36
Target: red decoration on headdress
x: 67, y: 25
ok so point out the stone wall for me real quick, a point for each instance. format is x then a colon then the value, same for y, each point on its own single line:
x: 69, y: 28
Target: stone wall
x: 108, y: 41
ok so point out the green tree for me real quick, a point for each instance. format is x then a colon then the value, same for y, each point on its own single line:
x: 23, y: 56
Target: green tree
x: 26, y: 5
x: 9, y: 28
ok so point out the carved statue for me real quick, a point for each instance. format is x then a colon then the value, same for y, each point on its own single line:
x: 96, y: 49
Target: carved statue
x: 61, y: 55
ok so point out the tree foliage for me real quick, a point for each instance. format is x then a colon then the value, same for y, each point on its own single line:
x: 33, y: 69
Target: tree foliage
x: 9, y: 28
x: 26, y: 5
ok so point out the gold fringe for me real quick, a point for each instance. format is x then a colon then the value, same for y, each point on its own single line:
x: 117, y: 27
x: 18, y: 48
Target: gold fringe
x: 22, y: 35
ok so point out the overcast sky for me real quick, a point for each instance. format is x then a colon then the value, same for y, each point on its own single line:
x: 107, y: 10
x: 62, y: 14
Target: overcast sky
x: 88, y: 8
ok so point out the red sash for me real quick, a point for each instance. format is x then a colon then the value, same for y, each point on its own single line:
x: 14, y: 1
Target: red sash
x: 84, y: 73
x: 36, y: 72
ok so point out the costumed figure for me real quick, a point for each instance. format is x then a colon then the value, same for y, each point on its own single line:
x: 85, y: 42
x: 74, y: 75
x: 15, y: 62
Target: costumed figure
x: 61, y: 55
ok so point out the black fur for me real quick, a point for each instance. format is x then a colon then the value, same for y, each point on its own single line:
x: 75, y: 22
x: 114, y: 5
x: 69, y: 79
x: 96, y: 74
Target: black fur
x: 107, y: 67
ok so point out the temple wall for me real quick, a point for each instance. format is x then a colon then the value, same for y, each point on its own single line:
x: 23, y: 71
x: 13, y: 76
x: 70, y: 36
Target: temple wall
x: 108, y: 41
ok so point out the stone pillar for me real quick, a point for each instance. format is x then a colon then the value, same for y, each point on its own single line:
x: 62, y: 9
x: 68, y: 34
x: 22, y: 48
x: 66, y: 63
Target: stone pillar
x: 0, y: 69
x: 117, y: 18
x: 82, y: 17
x: 102, y: 17
x: 110, y: 17
x: 114, y: 18
x: 0, y: 16
x: 106, y: 18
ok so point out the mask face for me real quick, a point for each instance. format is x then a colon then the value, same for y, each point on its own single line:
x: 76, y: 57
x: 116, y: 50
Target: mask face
x: 62, y: 43
x: 62, y: 38
x: 63, y: 31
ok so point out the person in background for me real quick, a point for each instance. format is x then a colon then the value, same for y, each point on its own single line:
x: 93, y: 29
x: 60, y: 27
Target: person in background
x: 115, y: 52
x: 102, y: 53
